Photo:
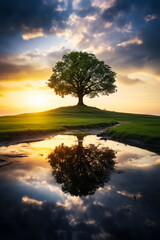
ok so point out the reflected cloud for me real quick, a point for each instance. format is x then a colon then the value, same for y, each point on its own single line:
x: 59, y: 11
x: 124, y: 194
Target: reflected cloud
x: 32, y: 201
x: 71, y: 202
x: 130, y: 195
x: 125, y: 157
x: 157, y: 162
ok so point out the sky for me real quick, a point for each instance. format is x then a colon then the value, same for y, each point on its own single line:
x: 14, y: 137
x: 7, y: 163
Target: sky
x: 34, y: 35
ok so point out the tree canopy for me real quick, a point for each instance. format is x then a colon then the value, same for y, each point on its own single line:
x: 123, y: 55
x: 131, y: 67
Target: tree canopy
x: 80, y: 74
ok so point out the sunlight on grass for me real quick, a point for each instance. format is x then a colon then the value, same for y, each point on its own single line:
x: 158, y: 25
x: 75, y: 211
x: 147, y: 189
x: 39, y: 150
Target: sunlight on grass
x: 145, y: 127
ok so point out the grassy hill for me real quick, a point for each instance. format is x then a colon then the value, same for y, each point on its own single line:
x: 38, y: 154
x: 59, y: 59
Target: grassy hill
x: 137, y: 126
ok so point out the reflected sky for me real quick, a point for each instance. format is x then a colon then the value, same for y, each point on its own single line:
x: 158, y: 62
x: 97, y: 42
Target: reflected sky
x: 33, y: 204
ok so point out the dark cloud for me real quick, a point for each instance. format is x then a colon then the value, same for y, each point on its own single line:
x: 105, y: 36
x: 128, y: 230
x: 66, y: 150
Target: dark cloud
x: 15, y: 72
x: 117, y: 11
x: 14, y: 15
x: 84, y: 8
x: 31, y: 18
x: 130, y: 9
x: 127, y: 21
x: 146, y: 54
x: 151, y: 39
x: 87, y: 10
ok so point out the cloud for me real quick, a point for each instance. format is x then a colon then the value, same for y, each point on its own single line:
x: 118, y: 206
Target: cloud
x: 141, y: 46
x: 117, y: 12
x: 32, y: 33
x: 31, y: 65
x: 86, y: 33
x: 123, y: 33
x: 22, y: 20
x: 128, y: 81
x: 150, y: 17
x: 75, y: 4
x: 56, y: 55
x: 131, y: 41
x: 10, y: 86
x: 19, y: 15
x: 103, y: 4
x: 31, y: 201
x: 16, y: 72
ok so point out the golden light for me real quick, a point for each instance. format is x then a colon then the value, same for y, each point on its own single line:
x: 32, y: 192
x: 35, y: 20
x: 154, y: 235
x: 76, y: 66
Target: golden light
x: 38, y: 100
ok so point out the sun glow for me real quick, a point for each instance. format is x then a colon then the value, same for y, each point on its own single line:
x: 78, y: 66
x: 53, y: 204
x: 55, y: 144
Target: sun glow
x: 38, y: 100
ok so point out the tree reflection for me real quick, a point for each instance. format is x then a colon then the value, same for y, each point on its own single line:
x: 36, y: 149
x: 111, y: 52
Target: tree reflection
x: 81, y: 170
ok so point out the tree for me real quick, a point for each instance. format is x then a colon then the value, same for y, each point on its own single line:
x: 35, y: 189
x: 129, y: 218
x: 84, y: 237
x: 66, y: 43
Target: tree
x: 80, y: 74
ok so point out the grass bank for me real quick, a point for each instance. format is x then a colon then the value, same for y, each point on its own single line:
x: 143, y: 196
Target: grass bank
x: 144, y: 128
x: 136, y: 129
x: 32, y: 124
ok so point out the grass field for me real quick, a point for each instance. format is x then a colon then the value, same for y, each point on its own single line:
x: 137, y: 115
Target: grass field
x: 137, y: 126
x: 145, y: 128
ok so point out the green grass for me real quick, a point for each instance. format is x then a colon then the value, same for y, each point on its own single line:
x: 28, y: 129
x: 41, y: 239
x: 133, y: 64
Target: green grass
x: 137, y: 126
x: 52, y: 120
x: 148, y: 132
x: 145, y: 128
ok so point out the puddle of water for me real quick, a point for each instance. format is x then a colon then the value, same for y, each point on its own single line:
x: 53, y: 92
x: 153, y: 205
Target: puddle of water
x: 69, y: 187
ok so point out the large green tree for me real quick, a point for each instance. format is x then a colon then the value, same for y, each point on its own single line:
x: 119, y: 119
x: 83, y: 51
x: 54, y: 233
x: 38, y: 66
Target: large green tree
x: 80, y: 74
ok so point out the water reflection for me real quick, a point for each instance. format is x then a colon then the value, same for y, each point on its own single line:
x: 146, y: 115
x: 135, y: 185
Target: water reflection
x: 33, y: 205
x: 81, y: 170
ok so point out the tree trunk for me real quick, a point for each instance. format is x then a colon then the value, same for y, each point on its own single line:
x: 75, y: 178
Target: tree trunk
x: 80, y: 102
x: 80, y: 141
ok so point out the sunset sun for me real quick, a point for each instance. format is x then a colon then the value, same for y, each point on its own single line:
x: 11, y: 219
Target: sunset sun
x: 38, y: 100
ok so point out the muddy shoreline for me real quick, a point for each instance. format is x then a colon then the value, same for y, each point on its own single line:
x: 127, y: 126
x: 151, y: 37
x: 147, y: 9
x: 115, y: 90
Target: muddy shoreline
x: 32, y: 136
x: 97, y: 130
